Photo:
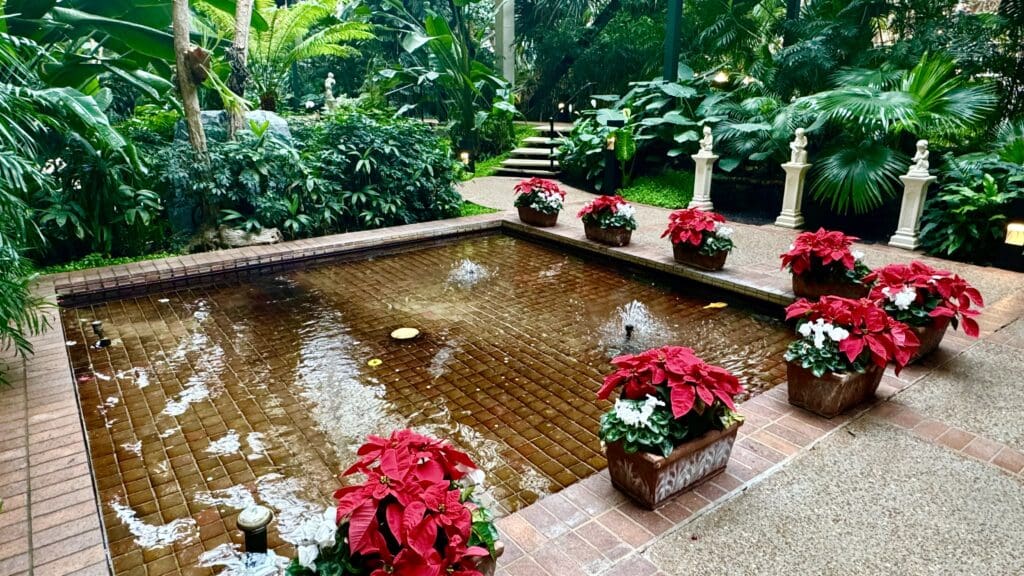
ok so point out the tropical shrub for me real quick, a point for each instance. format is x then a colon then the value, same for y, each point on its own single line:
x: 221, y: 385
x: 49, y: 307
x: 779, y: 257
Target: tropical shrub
x: 967, y: 221
x: 916, y: 294
x: 609, y: 212
x: 669, y: 396
x: 540, y: 194
x: 703, y: 230
x: 840, y: 335
x: 385, y: 172
x: 414, y: 513
x: 825, y: 254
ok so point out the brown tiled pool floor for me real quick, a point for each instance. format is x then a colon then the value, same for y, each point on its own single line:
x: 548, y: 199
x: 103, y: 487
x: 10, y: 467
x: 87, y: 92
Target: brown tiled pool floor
x: 42, y: 480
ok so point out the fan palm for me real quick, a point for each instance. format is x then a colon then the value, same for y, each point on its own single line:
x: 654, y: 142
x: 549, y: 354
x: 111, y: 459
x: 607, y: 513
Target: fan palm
x: 306, y: 30
x: 860, y: 167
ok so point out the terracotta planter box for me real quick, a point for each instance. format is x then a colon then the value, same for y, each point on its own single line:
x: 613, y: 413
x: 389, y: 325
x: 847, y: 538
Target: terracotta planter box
x: 650, y: 480
x: 814, y: 288
x: 930, y: 337
x: 690, y: 255
x: 537, y: 218
x: 609, y: 236
x: 831, y: 394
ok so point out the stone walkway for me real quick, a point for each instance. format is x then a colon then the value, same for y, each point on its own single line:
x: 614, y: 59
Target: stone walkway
x: 929, y: 479
x: 942, y: 445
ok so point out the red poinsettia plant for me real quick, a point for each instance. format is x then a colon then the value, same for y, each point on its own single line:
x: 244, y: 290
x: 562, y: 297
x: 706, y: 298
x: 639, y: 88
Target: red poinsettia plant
x: 918, y: 294
x: 845, y: 335
x: 701, y: 229
x: 825, y: 253
x: 609, y: 212
x: 540, y: 194
x: 668, y: 396
x: 413, y: 515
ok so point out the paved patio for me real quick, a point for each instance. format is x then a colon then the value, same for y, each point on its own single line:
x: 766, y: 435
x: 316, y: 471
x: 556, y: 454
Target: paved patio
x: 941, y: 443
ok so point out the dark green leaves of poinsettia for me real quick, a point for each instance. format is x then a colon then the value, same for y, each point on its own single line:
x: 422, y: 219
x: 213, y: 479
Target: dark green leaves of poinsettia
x: 660, y: 436
x: 828, y: 358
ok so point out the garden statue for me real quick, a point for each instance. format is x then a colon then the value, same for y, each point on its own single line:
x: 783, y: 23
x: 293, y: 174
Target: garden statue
x: 799, y: 147
x: 707, y: 142
x: 920, y: 167
x: 329, y: 91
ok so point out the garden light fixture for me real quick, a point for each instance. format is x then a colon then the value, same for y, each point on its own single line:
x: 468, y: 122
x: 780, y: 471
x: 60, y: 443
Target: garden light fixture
x: 722, y: 77
x: 1015, y: 234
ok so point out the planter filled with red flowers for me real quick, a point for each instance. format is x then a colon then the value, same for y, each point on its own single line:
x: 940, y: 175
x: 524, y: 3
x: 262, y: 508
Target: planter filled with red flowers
x: 926, y: 299
x: 539, y: 201
x: 822, y: 264
x: 842, y: 352
x: 699, y: 238
x: 413, y: 514
x: 609, y: 220
x: 673, y: 425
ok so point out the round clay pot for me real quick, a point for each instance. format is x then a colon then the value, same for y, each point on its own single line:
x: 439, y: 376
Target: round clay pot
x: 686, y: 253
x: 812, y: 288
x: 930, y: 336
x: 609, y: 236
x: 537, y: 218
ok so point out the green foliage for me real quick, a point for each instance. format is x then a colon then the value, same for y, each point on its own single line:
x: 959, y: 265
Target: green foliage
x: 967, y: 221
x: 20, y: 316
x: 150, y: 125
x: 97, y: 260
x: 470, y: 209
x: 670, y: 189
x: 336, y: 561
x: 824, y: 360
x: 662, y: 432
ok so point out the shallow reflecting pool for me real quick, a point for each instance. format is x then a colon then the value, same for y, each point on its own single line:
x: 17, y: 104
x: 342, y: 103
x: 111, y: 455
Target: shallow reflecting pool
x: 212, y: 398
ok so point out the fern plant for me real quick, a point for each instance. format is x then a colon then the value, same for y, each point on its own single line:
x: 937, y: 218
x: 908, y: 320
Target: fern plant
x: 306, y: 30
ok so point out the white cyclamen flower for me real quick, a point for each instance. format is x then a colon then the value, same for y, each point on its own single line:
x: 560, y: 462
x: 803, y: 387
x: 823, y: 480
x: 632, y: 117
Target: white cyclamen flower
x: 723, y: 231
x: 902, y: 299
x: 315, y: 534
x: 838, y: 334
x: 637, y: 413
x: 857, y: 255
x: 626, y: 211
x: 820, y: 331
x: 473, y: 476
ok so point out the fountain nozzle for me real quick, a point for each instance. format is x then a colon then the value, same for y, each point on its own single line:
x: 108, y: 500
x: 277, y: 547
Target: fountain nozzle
x: 629, y: 332
x: 97, y: 329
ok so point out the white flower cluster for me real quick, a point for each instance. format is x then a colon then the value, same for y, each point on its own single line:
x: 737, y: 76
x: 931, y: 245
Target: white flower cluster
x: 626, y: 211
x: 723, y: 231
x: 637, y: 413
x: 857, y: 255
x: 902, y: 299
x: 820, y: 330
x: 543, y: 200
x: 316, y: 534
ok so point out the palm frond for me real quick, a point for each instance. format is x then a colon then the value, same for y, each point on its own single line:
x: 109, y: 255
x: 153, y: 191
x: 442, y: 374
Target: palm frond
x: 857, y: 177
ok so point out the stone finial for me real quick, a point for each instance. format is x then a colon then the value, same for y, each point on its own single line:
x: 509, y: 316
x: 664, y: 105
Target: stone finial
x: 707, y: 143
x: 798, y: 147
x: 920, y: 161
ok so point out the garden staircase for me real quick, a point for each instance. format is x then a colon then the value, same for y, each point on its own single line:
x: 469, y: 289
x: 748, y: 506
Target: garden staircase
x: 535, y: 156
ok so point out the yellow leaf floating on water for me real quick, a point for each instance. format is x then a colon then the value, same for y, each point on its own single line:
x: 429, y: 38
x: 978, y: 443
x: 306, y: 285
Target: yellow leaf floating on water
x: 374, y: 362
x: 716, y: 305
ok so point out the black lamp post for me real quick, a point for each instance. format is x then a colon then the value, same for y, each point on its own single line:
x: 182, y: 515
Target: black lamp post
x: 672, y: 40
x: 612, y: 175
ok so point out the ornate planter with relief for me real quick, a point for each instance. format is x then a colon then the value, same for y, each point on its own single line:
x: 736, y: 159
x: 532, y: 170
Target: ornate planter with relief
x: 831, y: 394
x: 813, y: 288
x: 650, y: 480
x: 690, y: 255
x: 535, y: 217
x: 930, y: 336
x: 609, y: 236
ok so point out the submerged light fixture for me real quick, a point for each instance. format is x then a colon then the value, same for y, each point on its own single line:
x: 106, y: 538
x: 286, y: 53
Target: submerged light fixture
x: 404, y: 334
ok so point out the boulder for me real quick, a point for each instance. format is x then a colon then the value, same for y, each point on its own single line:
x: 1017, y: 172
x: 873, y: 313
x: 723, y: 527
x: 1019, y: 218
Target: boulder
x: 225, y: 237
x: 215, y: 122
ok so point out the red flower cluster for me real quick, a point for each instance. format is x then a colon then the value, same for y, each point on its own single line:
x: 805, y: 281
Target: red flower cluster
x: 534, y: 185
x: 689, y: 225
x: 601, y: 204
x: 871, y: 329
x: 823, y: 248
x: 686, y: 376
x: 952, y: 295
x: 408, y: 518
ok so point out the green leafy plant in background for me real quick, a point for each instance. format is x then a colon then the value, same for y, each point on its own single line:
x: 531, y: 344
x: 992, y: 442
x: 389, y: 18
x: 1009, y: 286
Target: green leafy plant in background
x: 294, y: 34
x: 965, y: 221
x: 670, y: 189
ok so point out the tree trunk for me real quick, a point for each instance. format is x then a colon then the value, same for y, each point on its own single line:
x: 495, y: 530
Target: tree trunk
x: 792, y: 15
x: 238, y: 56
x: 542, y: 96
x: 182, y: 23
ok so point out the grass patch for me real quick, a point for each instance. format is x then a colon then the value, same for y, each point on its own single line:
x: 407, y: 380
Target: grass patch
x: 489, y: 166
x: 670, y: 189
x: 96, y: 260
x: 471, y: 209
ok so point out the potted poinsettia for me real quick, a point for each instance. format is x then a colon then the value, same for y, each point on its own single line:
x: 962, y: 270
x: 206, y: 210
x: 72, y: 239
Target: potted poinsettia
x: 673, y: 424
x: 609, y: 220
x: 842, y: 352
x: 699, y: 238
x: 413, y: 514
x: 926, y: 299
x: 823, y: 263
x: 539, y: 201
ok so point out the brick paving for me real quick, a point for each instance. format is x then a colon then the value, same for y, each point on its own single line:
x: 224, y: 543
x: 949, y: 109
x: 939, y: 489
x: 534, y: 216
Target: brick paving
x: 46, y: 483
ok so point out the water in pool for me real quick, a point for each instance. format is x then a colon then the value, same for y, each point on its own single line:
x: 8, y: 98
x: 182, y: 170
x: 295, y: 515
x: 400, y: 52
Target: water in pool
x: 211, y: 398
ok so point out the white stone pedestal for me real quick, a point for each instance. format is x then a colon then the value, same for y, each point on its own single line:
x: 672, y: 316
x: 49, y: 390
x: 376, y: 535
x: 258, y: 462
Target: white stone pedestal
x: 702, y: 181
x: 915, y: 190
x: 792, y: 201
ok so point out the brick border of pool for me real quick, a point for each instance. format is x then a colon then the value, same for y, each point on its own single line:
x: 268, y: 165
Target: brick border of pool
x: 51, y: 522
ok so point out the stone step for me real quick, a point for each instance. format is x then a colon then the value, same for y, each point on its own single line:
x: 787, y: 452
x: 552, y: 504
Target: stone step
x: 528, y: 164
x: 539, y: 141
x: 524, y: 173
x: 531, y: 152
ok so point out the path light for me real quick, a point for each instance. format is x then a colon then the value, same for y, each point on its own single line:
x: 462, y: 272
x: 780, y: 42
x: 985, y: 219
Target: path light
x: 593, y: 102
x: 253, y: 521
x: 467, y: 160
x: 1012, y: 252
x: 722, y: 77
x: 612, y: 178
